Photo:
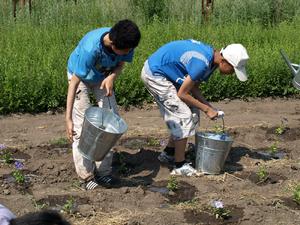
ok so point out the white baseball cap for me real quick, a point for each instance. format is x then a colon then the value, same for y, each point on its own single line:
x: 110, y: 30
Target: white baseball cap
x: 236, y: 55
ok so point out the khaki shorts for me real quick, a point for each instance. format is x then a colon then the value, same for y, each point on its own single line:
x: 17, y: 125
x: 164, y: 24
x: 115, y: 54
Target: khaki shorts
x: 180, y: 119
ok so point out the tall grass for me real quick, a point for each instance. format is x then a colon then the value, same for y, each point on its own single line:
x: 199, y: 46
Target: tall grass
x: 35, y: 48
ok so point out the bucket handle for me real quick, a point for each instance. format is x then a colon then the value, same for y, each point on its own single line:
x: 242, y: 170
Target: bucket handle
x: 109, y: 103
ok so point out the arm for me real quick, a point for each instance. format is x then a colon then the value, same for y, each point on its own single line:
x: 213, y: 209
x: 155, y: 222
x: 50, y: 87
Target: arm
x: 108, y: 82
x: 199, y: 102
x: 73, y: 85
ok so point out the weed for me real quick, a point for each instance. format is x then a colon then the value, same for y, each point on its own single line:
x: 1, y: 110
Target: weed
x: 273, y: 149
x: 7, y: 157
x: 219, y: 210
x: 173, y: 184
x: 69, y: 206
x: 153, y: 142
x: 282, y: 128
x: 19, y: 176
x: 262, y: 173
x: 60, y: 141
x: 190, y: 203
x: 296, y: 194
x: 39, y: 206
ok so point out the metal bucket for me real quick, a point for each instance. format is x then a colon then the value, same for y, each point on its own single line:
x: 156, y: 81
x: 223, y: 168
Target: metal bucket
x: 211, y: 152
x: 100, y: 131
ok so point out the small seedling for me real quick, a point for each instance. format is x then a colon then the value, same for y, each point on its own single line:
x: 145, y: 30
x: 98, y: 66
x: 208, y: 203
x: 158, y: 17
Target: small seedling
x: 19, y: 176
x: 274, y: 148
x: 39, y: 206
x: 279, y: 130
x: 262, y: 173
x: 68, y: 206
x: 153, y: 142
x: 282, y: 128
x: 60, y: 141
x: 7, y: 157
x: 173, y: 184
x: 220, y: 211
x: 296, y: 194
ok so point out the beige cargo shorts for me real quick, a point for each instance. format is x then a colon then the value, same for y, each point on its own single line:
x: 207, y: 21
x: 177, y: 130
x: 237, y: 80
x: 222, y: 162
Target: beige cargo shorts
x: 180, y: 119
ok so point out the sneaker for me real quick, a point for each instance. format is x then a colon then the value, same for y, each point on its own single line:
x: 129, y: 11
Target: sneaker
x: 104, y: 181
x: 165, y: 158
x: 185, y: 170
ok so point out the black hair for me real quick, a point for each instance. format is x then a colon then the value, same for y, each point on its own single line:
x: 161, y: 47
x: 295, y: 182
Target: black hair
x: 46, y: 217
x: 125, y: 34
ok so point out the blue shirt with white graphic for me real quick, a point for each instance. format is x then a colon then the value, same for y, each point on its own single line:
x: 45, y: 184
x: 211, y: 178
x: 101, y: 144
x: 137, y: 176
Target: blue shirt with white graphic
x: 90, y: 60
x: 178, y: 59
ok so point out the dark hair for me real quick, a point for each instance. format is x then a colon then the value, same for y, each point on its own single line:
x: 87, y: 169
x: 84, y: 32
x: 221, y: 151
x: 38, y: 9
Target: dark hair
x: 46, y: 217
x: 125, y: 34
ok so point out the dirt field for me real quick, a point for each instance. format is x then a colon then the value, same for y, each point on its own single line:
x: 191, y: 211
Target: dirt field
x: 51, y: 182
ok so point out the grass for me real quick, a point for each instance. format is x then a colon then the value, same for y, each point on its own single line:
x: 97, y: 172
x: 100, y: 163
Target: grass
x: 35, y: 48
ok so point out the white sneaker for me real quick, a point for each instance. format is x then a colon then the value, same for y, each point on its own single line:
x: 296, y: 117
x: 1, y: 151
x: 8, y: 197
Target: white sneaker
x: 185, y: 170
x: 165, y: 158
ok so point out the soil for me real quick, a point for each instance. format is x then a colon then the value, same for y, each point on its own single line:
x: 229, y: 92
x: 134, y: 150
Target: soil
x: 38, y: 141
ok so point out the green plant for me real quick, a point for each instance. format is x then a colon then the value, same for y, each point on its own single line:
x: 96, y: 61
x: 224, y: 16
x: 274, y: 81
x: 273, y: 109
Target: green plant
x: 282, y: 128
x: 279, y: 130
x: 219, y: 210
x: 69, y: 205
x: 39, y: 206
x: 262, y: 173
x: 296, y: 194
x: 173, y: 184
x: 7, y: 157
x: 19, y: 176
x: 60, y: 141
x: 153, y: 142
x: 273, y: 149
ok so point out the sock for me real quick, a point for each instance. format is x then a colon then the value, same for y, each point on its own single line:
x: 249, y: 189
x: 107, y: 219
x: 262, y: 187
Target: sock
x: 179, y: 164
x: 170, y: 151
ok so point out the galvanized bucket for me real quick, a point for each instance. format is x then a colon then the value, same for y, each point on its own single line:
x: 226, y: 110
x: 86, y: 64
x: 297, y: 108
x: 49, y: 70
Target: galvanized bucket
x: 211, y: 151
x: 100, y: 131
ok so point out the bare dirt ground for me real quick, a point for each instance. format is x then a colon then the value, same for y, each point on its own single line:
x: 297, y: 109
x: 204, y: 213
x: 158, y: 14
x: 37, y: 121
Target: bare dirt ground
x: 142, y: 198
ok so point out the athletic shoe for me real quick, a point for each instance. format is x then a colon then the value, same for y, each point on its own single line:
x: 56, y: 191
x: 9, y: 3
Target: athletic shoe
x: 104, y: 181
x: 185, y: 170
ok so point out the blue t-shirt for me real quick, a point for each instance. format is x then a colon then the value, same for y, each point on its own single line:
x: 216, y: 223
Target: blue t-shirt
x: 178, y: 59
x: 90, y: 60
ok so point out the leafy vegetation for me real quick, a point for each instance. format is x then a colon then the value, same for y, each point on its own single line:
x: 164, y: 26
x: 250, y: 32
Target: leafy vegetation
x: 296, y: 194
x: 35, y: 48
x: 173, y: 184
x: 262, y: 173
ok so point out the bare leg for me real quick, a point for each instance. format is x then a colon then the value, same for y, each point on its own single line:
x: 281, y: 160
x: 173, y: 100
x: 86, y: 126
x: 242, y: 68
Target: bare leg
x: 180, y: 149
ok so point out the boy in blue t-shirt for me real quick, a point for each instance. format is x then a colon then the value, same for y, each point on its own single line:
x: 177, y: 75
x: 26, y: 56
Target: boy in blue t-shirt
x: 172, y: 75
x: 93, y: 67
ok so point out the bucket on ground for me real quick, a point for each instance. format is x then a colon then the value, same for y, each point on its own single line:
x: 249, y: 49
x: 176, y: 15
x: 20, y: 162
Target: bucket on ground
x: 211, y: 151
x: 100, y: 131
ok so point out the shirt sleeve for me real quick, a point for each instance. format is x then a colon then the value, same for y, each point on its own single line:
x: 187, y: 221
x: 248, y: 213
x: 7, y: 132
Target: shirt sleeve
x: 196, y: 68
x: 84, y: 63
